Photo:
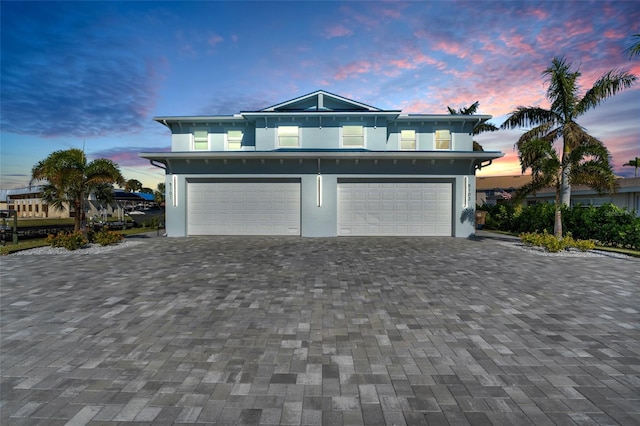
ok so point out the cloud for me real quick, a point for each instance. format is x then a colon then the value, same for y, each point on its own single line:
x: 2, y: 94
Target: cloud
x: 338, y: 30
x: 78, y: 83
x: 214, y: 39
x: 126, y: 156
x: 354, y: 69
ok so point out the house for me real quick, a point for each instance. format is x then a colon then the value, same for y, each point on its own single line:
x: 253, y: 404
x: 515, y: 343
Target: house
x: 493, y: 190
x: 321, y: 165
x: 28, y: 203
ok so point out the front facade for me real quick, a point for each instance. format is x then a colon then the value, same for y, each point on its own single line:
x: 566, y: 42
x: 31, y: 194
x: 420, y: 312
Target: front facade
x: 321, y: 165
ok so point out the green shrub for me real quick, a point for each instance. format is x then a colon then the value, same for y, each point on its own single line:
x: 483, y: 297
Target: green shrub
x: 106, y: 237
x: 153, y: 222
x: 499, y: 216
x: 68, y: 240
x: 606, y: 225
x: 535, y: 218
x: 552, y: 244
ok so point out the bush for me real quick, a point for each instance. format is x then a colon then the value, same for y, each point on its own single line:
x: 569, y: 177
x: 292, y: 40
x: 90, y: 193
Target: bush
x: 607, y: 225
x: 553, y: 245
x: 68, y: 240
x: 107, y: 237
x: 499, y: 216
x: 535, y: 218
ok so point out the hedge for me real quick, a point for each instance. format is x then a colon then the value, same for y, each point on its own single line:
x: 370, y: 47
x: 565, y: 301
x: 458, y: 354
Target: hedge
x: 608, y: 224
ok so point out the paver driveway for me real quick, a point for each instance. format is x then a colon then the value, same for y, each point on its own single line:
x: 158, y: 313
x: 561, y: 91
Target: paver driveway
x: 320, y: 331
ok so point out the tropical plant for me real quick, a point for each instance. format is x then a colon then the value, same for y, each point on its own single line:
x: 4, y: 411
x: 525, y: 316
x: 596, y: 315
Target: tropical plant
x: 133, y: 185
x: 478, y: 128
x: 70, y: 179
x: 634, y: 163
x: 634, y: 49
x: 159, y: 193
x: 583, y: 158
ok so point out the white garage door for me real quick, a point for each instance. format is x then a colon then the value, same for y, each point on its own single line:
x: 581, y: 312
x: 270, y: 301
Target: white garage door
x: 394, y: 208
x: 243, y: 208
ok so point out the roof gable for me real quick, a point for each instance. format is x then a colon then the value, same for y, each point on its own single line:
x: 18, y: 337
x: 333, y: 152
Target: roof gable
x: 320, y: 101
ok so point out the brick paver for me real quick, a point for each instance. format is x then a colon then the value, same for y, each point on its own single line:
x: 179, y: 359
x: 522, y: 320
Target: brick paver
x: 358, y: 331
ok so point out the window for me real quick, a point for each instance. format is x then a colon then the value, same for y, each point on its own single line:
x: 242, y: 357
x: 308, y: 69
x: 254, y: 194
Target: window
x: 234, y: 139
x: 353, y: 136
x: 407, y: 139
x: 288, y: 136
x: 443, y: 139
x: 200, y: 140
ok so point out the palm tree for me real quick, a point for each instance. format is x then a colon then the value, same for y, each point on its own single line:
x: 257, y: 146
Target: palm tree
x: 590, y: 166
x: 70, y: 178
x: 479, y: 128
x: 159, y: 193
x: 559, y: 122
x: 132, y: 185
x: 634, y: 163
x: 634, y: 49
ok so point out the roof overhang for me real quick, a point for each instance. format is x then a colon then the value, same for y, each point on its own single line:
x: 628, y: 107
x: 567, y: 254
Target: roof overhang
x: 480, y: 156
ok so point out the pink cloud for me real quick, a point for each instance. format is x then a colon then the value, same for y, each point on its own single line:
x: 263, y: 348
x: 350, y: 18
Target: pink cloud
x: 516, y: 44
x: 391, y: 13
x: 337, y: 31
x: 614, y: 34
x: 452, y: 48
x: 403, y: 63
x: 539, y: 14
x: 353, y: 68
x: 214, y: 39
x: 573, y: 28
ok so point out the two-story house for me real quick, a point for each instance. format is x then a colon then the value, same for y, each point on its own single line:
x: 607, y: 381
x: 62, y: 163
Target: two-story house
x: 321, y: 165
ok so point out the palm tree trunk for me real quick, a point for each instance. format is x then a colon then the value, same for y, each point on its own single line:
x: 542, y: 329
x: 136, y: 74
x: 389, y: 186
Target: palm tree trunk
x: 77, y: 218
x: 565, y: 187
x: 557, y: 223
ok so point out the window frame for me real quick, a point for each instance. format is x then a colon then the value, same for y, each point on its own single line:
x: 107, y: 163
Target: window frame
x: 194, y: 140
x: 415, y: 140
x: 436, y: 140
x: 278, y: 136
x: 342, y: 135
x: 227, y: 140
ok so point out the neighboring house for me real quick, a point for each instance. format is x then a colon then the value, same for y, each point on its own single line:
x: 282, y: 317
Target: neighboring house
x: 492, y: 190
x: 321, y: 165
x: 28, y: 203
x: 496, y: 189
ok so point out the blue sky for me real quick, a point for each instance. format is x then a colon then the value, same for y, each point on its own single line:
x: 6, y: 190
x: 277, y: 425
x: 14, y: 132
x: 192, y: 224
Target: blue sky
x: 94, y: 74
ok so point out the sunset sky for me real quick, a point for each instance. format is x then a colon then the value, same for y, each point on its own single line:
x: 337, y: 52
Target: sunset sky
x: 94, y: 74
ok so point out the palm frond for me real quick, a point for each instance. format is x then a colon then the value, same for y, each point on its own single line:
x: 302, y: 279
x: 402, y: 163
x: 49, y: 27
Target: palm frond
x: 529, y: 116
x: 563, y: 89
x: 484, y: 127
x: 606, y: 86
x: 634, y: 49
x: 594, y: 174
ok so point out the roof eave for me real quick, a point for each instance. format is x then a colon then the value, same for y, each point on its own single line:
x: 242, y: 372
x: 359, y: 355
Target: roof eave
x: 409, y: 155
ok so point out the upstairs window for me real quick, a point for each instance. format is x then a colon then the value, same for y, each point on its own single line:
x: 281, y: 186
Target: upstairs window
x: 234, y: 140
x: 407, y: 139
x: 353, y: 136
x: 288, y: 136
x: 443, y: 139
x: 200, y: 140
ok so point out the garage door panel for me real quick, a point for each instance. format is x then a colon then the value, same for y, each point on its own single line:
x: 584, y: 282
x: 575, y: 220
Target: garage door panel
x: 243, y: 208
x: 394, y: 208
